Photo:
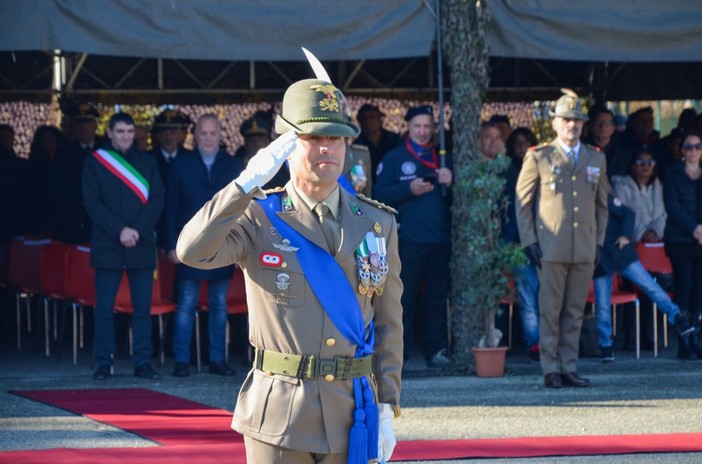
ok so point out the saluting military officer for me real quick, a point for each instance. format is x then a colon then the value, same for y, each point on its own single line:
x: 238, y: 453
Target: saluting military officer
x: 323, y: 287
x: 562, y: 235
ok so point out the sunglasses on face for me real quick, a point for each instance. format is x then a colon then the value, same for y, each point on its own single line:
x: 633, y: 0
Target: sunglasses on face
x: 645, y: 162
x: 692, y: 146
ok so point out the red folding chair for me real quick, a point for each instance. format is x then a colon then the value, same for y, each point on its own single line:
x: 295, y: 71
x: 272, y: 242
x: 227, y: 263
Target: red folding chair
x: 621, y: 297
x: 236, y: 304
x: 655, y: 261
x: 160, y: 305
x: 52, y: 282
x: 23, y: 275
x: 80, y: 290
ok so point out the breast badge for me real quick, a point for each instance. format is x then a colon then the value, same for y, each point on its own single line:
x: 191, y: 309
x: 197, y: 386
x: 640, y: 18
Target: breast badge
x: 371, y: 259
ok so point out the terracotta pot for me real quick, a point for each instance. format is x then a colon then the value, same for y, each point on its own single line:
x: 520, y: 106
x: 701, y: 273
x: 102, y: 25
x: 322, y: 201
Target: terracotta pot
x: 490, y: 362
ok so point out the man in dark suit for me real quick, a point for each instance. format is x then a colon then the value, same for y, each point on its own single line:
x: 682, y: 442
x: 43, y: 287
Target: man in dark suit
x: 69, y: 220
x: 123, y: 195
x: 561, y: 200
x: 194, y: 178
x: 169, y: 131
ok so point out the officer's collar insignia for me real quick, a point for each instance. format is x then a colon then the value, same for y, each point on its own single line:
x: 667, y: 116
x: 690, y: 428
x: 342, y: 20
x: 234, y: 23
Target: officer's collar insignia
x: 286, y: 202
x: 355, y: 209
x: 377, y: 228
x: 330, y: 101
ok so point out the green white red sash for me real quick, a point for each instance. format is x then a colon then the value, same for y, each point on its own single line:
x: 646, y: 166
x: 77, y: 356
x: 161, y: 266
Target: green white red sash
x: 125, y: 172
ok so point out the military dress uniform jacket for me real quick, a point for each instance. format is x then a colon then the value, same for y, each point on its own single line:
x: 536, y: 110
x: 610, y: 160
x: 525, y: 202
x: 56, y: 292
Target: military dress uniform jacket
x: 570, y: 216
x: 285, y: 316
x: 112, y: 206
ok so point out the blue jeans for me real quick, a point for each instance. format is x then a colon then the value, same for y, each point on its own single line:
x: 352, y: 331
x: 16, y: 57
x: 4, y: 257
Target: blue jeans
x: 188, y: 296
x: 526, y: 281
x: 636, y: 273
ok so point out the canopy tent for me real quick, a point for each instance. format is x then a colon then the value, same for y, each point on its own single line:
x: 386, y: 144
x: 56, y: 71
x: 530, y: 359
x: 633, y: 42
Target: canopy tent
x: 630, y: 49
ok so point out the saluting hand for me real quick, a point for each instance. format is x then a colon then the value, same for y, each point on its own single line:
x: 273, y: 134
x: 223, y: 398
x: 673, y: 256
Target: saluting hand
x: 267, y: 162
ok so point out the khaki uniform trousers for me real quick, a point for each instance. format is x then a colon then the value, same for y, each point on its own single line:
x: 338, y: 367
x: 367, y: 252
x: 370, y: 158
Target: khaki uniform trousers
x: 258, y: 452
x: 562, y: 298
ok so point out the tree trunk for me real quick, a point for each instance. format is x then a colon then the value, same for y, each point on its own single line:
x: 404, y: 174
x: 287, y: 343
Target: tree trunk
x: 464, y: 37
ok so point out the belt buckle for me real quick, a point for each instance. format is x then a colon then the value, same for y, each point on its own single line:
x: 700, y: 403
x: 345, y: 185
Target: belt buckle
x: 325, y: 367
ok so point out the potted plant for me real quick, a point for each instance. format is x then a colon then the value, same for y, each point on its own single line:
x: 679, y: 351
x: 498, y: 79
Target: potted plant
x: 482, y: 260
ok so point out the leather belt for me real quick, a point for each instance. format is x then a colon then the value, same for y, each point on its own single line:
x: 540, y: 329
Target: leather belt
x: 310, y: 366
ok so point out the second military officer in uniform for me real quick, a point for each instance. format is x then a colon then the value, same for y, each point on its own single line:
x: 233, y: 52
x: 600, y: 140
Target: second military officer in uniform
x: 323, y: 289
x: 561, y: 201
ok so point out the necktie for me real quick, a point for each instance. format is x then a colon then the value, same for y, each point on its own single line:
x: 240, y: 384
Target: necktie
x: 571, y: 157
x: 323, y: 216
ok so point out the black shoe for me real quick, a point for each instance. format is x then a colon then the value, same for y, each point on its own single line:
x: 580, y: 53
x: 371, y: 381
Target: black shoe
x: 181, y: 370
x: 103, y: 372
x: 682, y: 326
x: 606, y: 354
x: 145, y: 371
x: 221, y: 368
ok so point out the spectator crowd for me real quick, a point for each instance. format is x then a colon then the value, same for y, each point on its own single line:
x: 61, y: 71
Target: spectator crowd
x: 653, y: 182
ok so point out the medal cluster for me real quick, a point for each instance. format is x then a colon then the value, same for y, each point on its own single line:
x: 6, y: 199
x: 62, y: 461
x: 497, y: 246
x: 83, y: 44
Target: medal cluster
x: 371, y: 258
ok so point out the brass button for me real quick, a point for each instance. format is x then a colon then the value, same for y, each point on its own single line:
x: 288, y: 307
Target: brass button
x: 575, y: 194
x: 576, y: 209
x: 331, y: 342
x: 575, y: 224
x: 573, y: 178
x: 284, y: 265
x: 329, y: 378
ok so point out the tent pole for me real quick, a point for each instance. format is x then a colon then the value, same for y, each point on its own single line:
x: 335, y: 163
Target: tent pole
x: 440, y: 86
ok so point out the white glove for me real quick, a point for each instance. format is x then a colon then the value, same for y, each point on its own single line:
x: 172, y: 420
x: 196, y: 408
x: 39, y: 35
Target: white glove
x: 386, y: 435
x: 267, y: 162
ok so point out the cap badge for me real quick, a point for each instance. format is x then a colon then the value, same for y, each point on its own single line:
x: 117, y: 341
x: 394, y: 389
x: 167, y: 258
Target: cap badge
x: 330, y: 102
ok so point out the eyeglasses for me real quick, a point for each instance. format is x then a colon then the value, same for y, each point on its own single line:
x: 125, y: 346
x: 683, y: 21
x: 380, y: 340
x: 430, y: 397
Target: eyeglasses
x: 692, y: 146
x: 645, y: 162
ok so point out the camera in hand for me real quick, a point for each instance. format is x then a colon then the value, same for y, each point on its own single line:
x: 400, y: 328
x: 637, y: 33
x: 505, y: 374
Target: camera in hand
x: 429, y: 176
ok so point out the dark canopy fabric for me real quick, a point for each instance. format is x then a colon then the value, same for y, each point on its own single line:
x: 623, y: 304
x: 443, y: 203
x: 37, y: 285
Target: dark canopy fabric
x: 618, y: 49
x: 273, y: 30
x: 253, y: 30
x: 597, y: 30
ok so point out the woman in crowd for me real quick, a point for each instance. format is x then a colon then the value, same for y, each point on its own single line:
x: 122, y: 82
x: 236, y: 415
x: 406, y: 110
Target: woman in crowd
x: 525, y: 278
x: 643, y: 193
x: 682, y: 193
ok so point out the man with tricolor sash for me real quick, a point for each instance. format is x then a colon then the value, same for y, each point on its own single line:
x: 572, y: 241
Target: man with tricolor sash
x: 323, y: 289
x: 123, y: 194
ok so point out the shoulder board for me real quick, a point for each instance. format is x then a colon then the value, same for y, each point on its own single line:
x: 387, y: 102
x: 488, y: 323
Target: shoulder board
x: 593, y: 147
x: 540, y: 147
x: 274, y: 190
x: 376, y: 203
x: 360, y: 147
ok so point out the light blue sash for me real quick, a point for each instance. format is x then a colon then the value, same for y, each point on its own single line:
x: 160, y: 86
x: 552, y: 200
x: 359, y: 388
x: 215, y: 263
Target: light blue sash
x: 334, y: 292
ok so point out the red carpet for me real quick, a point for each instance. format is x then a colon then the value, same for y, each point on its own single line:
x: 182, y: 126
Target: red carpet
x: 191, y: 432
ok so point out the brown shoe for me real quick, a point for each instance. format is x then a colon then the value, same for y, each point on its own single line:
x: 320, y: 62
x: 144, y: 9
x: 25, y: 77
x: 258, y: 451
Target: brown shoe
x: 553, y: 380
x: 572, y: 379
